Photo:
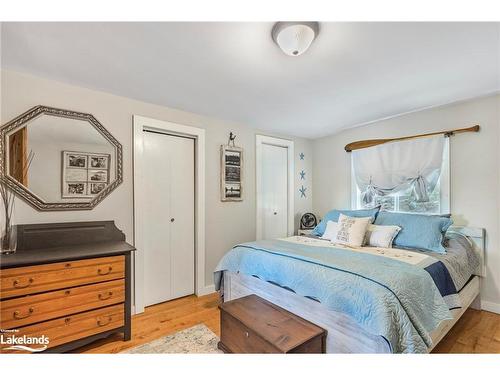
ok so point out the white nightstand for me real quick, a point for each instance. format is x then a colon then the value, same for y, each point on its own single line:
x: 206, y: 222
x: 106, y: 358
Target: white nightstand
x: 304, y: 232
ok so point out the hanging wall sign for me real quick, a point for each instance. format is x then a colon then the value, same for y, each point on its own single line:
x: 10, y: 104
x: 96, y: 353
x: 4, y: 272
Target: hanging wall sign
x: 231, y: 182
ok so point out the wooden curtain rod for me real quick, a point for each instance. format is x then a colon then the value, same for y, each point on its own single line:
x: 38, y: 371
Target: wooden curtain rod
x: 375, y: 142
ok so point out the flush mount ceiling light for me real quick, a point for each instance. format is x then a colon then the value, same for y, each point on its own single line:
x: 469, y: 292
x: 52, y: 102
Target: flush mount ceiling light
x: 294, y: 38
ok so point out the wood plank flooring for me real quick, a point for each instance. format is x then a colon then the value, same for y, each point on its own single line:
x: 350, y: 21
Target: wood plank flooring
x: 475, y: 332
x: 161, y: 320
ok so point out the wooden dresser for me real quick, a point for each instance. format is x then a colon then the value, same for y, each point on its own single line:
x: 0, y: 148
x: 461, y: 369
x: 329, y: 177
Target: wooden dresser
x: 68, y: 281
x: 252, y: 324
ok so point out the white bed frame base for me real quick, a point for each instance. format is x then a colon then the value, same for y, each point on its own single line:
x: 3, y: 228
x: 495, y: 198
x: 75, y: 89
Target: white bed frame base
x: 344, y: 334
x: 467, y: 295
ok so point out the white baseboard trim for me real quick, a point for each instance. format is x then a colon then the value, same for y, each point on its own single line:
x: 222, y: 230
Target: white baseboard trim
x: 476, y: 304
x: 490, y: 306
x: 484, y: 305
x: 207, y: 289
x: 135, y: 311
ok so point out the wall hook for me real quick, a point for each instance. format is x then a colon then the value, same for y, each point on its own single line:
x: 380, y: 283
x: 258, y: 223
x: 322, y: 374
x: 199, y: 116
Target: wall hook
x: 232, y: 137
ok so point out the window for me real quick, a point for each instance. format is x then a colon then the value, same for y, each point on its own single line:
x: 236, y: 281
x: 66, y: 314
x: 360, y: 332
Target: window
x: 403, y: 201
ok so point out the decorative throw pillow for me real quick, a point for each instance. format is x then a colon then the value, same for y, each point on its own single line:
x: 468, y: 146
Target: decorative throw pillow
x: 352, y: 230
x: 333, y: 215
x: 381, y: 235
x: 417, y: 231
x: 330, y: 231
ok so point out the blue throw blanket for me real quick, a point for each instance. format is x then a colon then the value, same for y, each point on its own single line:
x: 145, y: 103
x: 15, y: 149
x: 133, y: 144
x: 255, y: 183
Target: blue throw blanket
x: 387, y: 297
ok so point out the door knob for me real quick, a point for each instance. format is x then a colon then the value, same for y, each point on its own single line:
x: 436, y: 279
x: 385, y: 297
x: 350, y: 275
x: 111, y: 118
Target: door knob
x: 172, y: 220
x: 276, y: 213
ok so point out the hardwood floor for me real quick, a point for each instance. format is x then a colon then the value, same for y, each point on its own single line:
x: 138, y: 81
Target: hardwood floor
x: 161, y: 320
x: 475, y: 332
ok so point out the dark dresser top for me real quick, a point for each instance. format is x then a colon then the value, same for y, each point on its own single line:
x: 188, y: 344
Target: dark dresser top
x: 61, y: 254
x: 59, y: 242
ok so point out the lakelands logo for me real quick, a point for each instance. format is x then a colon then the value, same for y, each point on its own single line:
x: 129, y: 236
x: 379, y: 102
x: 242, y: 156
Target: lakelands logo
x: 22, y: 342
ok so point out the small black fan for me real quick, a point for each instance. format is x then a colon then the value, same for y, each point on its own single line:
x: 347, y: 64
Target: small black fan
x: 308, y: 221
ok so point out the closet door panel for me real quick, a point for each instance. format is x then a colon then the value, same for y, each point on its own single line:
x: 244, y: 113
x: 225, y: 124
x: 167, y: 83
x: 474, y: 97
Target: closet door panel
x: 274, y: 191
x: 267, y: 192
x: 157, y: 228
x: 182, y: 203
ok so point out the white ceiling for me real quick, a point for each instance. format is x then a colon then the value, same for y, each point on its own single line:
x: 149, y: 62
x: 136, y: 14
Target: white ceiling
x: 353, y: 73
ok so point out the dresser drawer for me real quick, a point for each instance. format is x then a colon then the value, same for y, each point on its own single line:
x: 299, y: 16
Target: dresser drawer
x: 17, y: 312
x: 74, y: 327
x: 35, y: 279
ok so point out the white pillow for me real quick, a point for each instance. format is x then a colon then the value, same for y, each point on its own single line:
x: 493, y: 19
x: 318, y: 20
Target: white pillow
x: 352, y: 230
x: 381, y: 235
x: 330, y: 231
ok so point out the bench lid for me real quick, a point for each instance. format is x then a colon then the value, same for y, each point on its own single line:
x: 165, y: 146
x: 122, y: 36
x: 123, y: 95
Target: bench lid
x: 277, y: 326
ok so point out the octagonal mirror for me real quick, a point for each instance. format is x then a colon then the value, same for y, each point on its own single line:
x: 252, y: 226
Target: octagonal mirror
x: 57, y: 159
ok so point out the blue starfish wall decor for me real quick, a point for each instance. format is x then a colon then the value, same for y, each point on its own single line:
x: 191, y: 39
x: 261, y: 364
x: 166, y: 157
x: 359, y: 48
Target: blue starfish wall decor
x: 301, y: 156
x: 302, y: 175
x: 303, y: 192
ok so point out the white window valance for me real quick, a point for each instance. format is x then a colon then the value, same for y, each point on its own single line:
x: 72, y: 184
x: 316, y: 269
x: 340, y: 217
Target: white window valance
x: 391, y: 167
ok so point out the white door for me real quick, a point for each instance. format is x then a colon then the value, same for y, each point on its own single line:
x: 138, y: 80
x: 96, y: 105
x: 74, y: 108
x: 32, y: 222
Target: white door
x: 169, y: 217
x: 274, y: 191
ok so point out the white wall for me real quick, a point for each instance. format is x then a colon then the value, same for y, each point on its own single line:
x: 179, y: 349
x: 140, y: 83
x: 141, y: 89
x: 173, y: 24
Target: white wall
x: 228, y: 223
x: 475, y: 162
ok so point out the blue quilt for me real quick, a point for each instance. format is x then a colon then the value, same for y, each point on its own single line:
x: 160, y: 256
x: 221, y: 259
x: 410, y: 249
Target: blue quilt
x: 401, y: 302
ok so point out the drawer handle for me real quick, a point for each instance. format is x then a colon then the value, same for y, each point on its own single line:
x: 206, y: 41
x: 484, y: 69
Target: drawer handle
x: 67, y: 320
x: 104, y: 298
x: 100, y: 323
x: 18, y: 286
x: 100, y: 271
x: 17, y: 314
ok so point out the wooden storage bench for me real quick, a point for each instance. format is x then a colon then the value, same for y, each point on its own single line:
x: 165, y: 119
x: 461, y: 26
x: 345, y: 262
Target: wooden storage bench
x: 253, y: 325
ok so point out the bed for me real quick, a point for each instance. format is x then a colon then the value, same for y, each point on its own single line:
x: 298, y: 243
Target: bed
x: 363, y: 314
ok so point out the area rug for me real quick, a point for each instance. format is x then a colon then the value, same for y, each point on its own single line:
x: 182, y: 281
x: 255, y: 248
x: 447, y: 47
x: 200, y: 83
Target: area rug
x: 194, y: 340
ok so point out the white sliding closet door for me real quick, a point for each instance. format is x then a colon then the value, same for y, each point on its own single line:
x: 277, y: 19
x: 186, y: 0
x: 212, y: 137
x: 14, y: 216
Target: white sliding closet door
x: 274, y: 190
x: 169, y: 217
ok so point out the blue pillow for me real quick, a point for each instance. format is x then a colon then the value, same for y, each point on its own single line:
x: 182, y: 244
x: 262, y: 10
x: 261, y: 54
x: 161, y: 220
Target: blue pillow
x: 417, y: 231
x: 333, y: 215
